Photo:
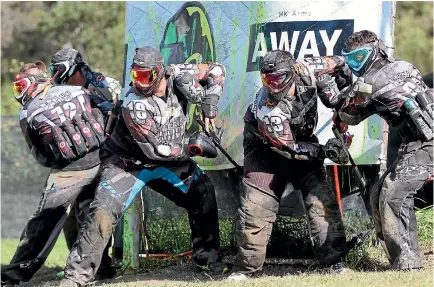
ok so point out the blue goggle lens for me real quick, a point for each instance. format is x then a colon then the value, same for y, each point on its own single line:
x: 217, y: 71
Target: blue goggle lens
x: 357, y: 58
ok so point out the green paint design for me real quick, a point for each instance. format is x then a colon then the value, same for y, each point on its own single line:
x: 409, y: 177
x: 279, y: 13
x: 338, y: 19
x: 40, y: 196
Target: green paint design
x: 192, y: 111
x: 190, y: 56
x: 171, y: 35
x: 206, y: 31
x: 154, y: 20
x: 128, y: 239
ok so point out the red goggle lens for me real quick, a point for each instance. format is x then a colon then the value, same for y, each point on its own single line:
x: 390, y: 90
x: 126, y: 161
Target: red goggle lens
x: 145, y: 77
x: 20, y: 85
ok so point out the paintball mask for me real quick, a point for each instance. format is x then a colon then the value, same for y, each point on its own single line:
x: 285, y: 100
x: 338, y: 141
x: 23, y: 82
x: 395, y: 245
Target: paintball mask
x: 64, y: 64
x: 359, y: 60
x: 25, y: 85
x: 147, y: 70
x: 277, y: 74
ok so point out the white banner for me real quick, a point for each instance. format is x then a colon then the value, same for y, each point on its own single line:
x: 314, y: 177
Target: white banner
x: 238, y: 34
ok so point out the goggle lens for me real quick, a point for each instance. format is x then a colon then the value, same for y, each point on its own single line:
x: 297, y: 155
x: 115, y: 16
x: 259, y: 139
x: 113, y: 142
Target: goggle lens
x: 145, y: 77
x: 276, y: 80
x: 59, y: 70
x: 357, y: 58
x: 20, y: 85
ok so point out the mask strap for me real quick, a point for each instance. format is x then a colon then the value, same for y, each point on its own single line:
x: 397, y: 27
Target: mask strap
x: 382, y: 48
x: 46, y: 85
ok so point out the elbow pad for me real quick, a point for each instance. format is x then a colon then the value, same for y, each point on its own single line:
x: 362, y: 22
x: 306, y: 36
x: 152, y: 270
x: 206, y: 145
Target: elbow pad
x: 191, y: 89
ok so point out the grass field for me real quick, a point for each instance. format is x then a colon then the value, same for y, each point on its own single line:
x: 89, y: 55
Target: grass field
x: 367, y: 267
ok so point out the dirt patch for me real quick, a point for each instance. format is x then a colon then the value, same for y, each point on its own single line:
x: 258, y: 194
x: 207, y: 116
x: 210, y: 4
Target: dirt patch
x: 185, y: 272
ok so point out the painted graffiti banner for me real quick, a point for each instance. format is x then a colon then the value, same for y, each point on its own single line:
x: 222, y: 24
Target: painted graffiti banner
x: 238, y: 34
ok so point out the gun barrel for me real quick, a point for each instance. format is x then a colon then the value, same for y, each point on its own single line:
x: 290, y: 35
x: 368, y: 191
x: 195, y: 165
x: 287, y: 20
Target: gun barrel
x: 353, y: 163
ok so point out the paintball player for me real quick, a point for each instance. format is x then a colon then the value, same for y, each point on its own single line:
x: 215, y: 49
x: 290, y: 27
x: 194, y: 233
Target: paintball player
x: 63, y: 131
x: 68, y: 68
x: 280, y: 148
x: 393, y: 89
x: 74, y: 71
x: 146, y: 148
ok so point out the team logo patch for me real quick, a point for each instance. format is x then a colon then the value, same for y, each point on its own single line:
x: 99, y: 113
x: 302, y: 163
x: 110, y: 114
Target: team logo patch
x: 76, y: 138
x: 100, y: 78
x: 86, y: 131
x: 62, y: 146
x: 97, y: 126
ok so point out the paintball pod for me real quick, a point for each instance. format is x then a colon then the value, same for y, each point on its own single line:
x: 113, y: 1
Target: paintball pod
x: 421, y: 113
x: 356, y: 169
x: 76, y: 137
x: 217, y: 143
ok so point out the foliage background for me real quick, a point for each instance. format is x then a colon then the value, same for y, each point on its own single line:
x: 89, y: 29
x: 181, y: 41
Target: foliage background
x: 36, y: 30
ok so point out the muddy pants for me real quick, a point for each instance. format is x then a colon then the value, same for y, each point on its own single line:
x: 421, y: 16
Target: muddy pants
x: 62, y: 189
x: 266, y: 174
x: 121, y: 180
x: 72, y: 226
x: 392, y: 201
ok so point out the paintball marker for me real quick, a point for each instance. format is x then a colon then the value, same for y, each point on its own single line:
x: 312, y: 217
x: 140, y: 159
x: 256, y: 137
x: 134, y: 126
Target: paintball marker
x: 216, y: 142
x: 113, y: 117
x: 356, y: 169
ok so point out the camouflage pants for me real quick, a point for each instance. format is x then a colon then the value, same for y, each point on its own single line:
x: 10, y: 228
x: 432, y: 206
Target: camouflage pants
x: 39, y: 236
x: 392, y: 202
x: 265, y: 176
x: 121, y: 180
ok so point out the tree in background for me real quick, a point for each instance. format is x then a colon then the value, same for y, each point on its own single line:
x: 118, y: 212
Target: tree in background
x: 96, y: 29
x: 36, y: 30
x: 414, y: 34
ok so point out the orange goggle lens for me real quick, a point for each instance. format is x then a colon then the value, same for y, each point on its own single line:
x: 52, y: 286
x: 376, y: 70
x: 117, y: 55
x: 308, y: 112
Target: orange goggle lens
x: 144, y: 77
x: 20, y: 85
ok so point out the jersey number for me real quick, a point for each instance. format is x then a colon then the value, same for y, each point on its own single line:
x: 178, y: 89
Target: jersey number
x: 137, y: 110
x: 273, y: 124
x: 69, y: 106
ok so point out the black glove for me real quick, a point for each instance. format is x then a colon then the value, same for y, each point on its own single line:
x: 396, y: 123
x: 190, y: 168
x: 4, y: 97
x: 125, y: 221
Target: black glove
x: 304, y: 151
x: 209, y: 106
x: 344, y: 78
